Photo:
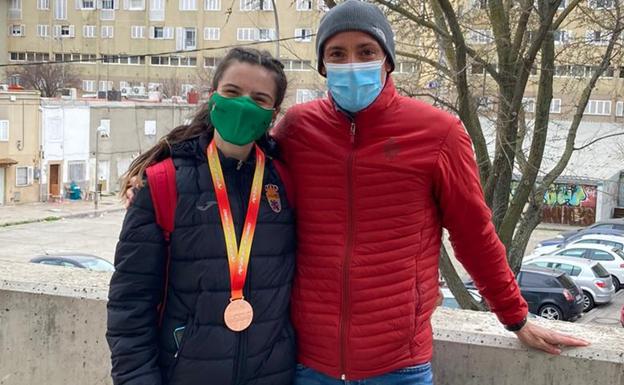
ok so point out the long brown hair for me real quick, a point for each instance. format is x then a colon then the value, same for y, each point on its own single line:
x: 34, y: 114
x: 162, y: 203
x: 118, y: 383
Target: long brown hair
x: 201, y: 121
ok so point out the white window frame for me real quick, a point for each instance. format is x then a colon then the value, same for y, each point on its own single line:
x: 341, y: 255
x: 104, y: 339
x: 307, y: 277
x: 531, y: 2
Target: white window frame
x: 188, y: 5
x: 529, y: 105
x: 619, y: 109
x: 211, y: 62
x: 107, y: 32
x: 105, y: 85
x: 43, y: 5
x: 303, y: 35
x: 92, y: 4
x: 157, y: 10
x: 597, y: 37
x: 304, y: 5
x: 149, y: 128
x: 131, y: 6
x: 4, y: 130
x: 212, y: 33
x: 89, y: 31
x: 187, y: 42
x: 137, y: 32
x: 266, y: 34
x: 562, y: 37
x: 256, y: 5
x: 598, y: 108
x: 17, y: 30
x: 60, y: 9
x: 29, y: 176
x: 555, y: 106
x: 88, y: 85
x: 212, y: 5
x: 482, y: 36
x: 247, y: 34
x: 105, y: 127
x: 297, y: 65
x: 15, y: 9
x: 304, y: 95
x: 83, y: 170
x: 601, y: 4
x: 43, y: 30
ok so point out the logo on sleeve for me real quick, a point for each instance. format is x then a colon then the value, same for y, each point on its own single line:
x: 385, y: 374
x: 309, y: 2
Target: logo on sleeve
x: 273, y: 197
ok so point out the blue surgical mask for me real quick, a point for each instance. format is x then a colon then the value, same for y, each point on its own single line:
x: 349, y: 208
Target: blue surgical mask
x: 354, y: 86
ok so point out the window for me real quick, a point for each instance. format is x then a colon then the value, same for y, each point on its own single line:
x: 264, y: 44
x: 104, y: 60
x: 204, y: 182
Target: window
x: 619, y: 109
x: 211, y: 62
x: 555, y: 106
x: 43, y: 4
x: 77, y: 171
x: 190, y: 38
x: 571, y: 270
x: 531, y: 280
x: 256, y: 5
x: 601, y: 4
x: 23, y: 176
x: 577, y: 253
x: 303, y: 34
x: 136, y: 5
x: 104, y: 127
x: 43, y: 30
x: 157, y: 10
x: 599, y: 255
x: 598, y: 107
x: 480, y: 4
x: 188, y: 5
x: 137, y: 32
x: 105, y: 86
x: 562, y: 37
x: 481, y: 36
x: 297, y: 65
x: 407, y: 67
x: 87, y: 4
x: 18, y: 56
x: 174, y: 61
x: 305, y: 95
x: 15, y: 9
x: 247, y: 34
x: 16, y: 30
x: 529, y: 104
x: 4, y: 130
x: 212, y: 5
x: 599, y: 271
x: 88, y: 85
x: 212, y: 33
x: 150, y: 128
x: 88, y: 31
x: 597, y: 37
x: 64, y: 31
x: 266, y: 34
x: 107, y: 32
x: 107, y: 11
x: 321, y: 6
x: 60, y: 9
x: 108, y: 4
x: 304, y: 5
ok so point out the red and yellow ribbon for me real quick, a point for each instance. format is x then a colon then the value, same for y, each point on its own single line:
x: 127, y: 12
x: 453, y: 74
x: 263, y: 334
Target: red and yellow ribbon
x: 238, y: 258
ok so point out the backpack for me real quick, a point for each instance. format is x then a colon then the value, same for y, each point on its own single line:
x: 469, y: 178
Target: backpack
x: 161, y: 178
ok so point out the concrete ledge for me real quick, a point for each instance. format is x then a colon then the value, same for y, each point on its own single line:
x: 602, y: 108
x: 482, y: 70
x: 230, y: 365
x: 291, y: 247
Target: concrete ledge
x: 53, y: 321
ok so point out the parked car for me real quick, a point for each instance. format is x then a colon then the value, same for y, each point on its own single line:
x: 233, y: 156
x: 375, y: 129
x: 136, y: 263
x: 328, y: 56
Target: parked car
x: 611, y: 227
x: 84, y: 261
x: 550, y: 293
x: 593, y: 279
x: 450, y: 301
x: 600, y: 239
x: 611, y: 258
x: 622, y: 316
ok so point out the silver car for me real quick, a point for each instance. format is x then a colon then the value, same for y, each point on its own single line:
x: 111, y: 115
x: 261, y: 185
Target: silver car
x: 593, y: 279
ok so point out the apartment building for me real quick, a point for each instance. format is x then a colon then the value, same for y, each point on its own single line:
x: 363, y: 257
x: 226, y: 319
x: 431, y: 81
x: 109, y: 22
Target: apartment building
x: 173, y: 45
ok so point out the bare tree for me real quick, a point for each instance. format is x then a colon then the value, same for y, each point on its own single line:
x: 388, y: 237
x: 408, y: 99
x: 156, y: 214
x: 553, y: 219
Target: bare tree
x: 522, y: 45
x: 46, y: 78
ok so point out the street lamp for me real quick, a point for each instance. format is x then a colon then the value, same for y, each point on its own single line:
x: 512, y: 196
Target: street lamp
x: 100, y: 132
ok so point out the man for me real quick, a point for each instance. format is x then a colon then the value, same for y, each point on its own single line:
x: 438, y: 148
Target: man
x: 377, y: 176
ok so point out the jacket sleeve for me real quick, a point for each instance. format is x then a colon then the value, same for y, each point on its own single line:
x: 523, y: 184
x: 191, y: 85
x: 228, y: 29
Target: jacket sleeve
x: 135, y: 291
x: 467, y: 217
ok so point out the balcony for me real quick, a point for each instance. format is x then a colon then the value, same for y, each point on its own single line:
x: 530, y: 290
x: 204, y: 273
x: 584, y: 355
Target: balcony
x: 54, y: 319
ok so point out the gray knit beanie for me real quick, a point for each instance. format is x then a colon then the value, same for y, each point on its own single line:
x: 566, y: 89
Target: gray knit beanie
x: 356, y: 15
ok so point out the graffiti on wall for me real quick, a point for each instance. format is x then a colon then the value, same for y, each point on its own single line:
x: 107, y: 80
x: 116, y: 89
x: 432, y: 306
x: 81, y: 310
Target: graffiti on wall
x: 570, y: 204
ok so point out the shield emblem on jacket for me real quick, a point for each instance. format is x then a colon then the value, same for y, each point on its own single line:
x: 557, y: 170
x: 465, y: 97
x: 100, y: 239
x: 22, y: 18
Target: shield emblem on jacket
x: 273, y: 197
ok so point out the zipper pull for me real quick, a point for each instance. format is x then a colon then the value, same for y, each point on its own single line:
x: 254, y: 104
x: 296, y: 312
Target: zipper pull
x: 239, y: 165
x: 352, y: 132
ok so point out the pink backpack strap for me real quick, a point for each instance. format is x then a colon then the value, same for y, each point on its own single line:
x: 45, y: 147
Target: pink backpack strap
x: 162, y: 182
x: 284, y: 175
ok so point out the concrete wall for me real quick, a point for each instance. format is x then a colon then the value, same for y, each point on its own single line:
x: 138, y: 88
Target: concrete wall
x: 52, y: 323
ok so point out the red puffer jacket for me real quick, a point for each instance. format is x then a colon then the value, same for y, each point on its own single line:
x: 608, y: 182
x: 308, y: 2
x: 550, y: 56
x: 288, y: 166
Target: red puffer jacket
x: 372, y: 198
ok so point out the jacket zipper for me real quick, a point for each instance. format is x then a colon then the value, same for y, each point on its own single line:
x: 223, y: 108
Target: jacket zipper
x: 240, y: 348
x: 347, y: 261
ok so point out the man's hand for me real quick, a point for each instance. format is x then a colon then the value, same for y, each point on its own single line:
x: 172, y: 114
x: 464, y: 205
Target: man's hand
x: 550, y: 341
x: 130, y: 191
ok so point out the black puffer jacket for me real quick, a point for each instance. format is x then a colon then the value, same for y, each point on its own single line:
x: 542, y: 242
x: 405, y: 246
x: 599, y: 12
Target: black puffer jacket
x: 199, y: 285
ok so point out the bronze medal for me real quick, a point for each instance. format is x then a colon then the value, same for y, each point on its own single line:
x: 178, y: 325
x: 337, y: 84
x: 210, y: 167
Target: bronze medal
x: 238, y: 315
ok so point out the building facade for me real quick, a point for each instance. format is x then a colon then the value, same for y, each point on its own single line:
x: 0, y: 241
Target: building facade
x: 20, y: 156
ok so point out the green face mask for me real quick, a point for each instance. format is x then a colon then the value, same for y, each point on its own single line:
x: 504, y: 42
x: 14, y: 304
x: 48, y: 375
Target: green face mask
x: 239, y: 120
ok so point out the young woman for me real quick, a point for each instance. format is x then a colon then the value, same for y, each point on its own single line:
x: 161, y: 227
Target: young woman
x: 227, y: 284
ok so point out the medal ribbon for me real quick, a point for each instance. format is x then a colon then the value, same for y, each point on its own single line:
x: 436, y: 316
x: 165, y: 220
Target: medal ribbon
x: 238, y: 258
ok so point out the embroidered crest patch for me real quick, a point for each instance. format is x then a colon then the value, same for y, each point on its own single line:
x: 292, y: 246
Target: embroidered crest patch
x: 273, y: 197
